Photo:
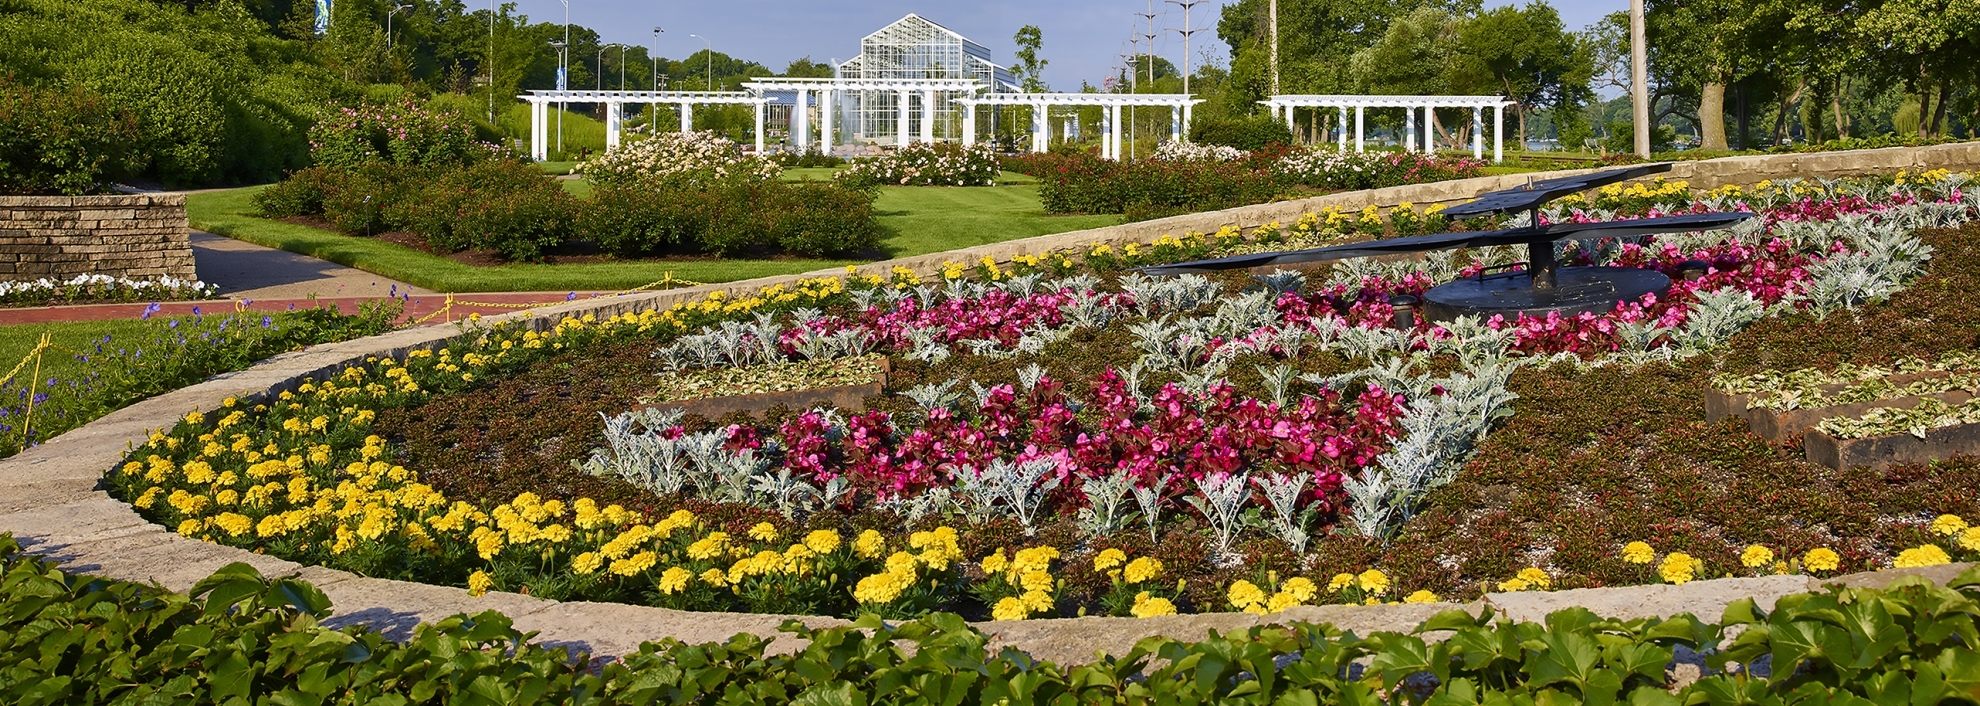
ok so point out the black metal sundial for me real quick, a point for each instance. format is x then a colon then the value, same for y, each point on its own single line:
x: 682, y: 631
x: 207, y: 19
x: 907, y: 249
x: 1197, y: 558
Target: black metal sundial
x: 1543, y: 286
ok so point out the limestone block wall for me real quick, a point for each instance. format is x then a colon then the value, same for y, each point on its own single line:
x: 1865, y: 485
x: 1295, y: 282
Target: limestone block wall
x: 139, y: 236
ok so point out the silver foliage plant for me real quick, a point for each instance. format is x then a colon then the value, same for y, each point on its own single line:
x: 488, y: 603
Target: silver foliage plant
x: 1440, y: 434
x: 1221, y: 500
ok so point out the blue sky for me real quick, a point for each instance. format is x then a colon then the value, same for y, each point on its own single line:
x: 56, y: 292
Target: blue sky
x: 1082, y: 37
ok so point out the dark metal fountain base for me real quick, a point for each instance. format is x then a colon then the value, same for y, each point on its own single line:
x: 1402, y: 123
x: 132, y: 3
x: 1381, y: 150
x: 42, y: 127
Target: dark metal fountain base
x: 1576, y: 289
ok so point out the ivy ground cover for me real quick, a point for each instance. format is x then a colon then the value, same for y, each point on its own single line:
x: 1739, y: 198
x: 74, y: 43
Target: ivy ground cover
x: 1062, y: 436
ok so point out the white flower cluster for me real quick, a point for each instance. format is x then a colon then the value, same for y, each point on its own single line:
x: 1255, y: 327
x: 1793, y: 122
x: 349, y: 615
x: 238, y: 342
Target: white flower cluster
x: 1180, y: 151
x: 925, y: 164
x: 1316, y: 166
x: 93, y: 287
x: 693, y: 156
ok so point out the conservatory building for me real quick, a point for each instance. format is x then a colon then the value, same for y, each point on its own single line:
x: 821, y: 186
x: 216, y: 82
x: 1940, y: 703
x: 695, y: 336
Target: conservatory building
x: 914, y: 48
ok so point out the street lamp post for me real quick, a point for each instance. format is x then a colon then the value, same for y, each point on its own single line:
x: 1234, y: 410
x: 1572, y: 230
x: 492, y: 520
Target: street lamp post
x: 601, y: 63
x: 710, y: 85
x: 562, y: 72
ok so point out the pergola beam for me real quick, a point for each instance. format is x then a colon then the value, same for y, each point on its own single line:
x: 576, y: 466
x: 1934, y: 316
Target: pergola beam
x: 1284, y: 104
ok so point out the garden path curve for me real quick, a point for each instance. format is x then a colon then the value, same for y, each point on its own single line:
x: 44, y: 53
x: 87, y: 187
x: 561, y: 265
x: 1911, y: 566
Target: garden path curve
x: 51, y: 501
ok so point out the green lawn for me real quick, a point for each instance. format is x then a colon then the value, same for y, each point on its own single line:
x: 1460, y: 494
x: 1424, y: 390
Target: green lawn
x: 920, y: 220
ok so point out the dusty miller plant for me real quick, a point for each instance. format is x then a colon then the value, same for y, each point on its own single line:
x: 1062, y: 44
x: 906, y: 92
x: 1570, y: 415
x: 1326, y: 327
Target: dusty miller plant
x: 1105, y: 512
x: 1221, y: 500
x: 1149, y: 499
x: 1440, y: 434
x: 1289, y: 520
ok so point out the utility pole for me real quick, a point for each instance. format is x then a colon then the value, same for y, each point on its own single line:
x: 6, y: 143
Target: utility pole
x: 562, y: 76
x: 491, y: 62
x: 622, y: 67
x: 1186, y: 32
x: 1150, y: 61
x: 1639, y: 78
x: 656, y: 58
x: 1275, y: 44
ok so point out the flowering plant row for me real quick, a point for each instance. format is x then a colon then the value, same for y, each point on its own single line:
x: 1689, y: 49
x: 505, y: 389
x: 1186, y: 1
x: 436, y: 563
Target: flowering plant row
x: 702, y: 158
x: 83, y: 289
x: 405, y: 133
x: 925, y: 164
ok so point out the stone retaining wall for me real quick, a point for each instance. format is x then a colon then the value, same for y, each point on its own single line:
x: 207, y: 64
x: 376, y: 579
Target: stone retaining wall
x: 50, y: 499
x: 139, y: 236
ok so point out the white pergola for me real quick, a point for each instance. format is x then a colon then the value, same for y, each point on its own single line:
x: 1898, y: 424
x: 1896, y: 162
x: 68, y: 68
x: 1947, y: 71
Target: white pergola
x: 1180, y: 105
x: 1282, y: 107
x: 828, y: 90
x: 539, y: 111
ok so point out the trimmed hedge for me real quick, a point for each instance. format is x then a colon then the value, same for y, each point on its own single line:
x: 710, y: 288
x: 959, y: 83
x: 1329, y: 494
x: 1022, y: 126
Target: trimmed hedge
x: 242, y: 637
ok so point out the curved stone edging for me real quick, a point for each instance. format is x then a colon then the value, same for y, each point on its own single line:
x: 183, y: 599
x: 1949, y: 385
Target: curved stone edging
x: 50, y: 497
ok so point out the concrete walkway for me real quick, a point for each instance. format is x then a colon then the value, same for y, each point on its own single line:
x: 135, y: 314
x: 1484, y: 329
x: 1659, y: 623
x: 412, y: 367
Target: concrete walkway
x: 243, y: 270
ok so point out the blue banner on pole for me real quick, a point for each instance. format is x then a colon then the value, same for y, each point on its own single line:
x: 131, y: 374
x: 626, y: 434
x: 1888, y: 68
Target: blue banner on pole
x: 322, y: 17
x: 560, y: 79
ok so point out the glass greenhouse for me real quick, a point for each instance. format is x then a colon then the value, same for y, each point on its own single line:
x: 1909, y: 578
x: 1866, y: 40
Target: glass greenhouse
x: 914, y: 48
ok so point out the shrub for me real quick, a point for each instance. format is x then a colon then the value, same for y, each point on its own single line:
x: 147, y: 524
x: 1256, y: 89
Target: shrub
x: 1152, y: 188
x: 299, y: 195
x: 403, y: 133
x: 1173, y: 151
x: 1249, y: 134
x: 1327, y: 168
x: 806, y: 218
x: 63, y: 141
x: 924, y: 164
x: 501, y: 205
x: 699, y: 158
x: 363, y: 200
x: 805, y: 159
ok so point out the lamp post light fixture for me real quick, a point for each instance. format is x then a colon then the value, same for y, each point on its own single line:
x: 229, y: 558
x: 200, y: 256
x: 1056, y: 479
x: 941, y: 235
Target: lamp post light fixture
x: 656, y: 57
x: 710, y: 86
x: 396, y: 7
x: 600, y: 75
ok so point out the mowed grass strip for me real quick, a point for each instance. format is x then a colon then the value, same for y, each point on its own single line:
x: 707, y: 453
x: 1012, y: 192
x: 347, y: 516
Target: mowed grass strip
x: 919, y: 220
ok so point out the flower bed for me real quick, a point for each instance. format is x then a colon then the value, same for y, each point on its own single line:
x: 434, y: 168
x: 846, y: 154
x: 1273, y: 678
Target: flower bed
x: 1253, y: 443
x: 1187, y: 178
x: 96, y: 289
x: 925, y: 164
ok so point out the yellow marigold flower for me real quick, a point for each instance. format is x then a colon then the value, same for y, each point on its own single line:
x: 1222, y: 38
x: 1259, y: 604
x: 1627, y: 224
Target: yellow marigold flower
x: 1340, y: 582
x: 1948, y: 525
x: 709, y: 547
x: 1245, y: 594
x: 1109, y: 558
x: 195, y: 418
x: 901, y: 563
x: 822, y: 541
x: 1638, y: 553
x: 1756, y: 556
x: 1010, y: 608
x: 199, y: 473
x: 145, y: 500
x: 1281, y: 601
x: 634, y: 564
x: 587, y: 563
x: 674, y: 580
x: 995, y: 563
x: 1679, y: 568
x: 1147, y: 606
x: 1533, y: 575
x: 1514, y: 585
x: 1373, y: 581
x: 1142, y: 569
x: 1821, y: 559
x: 715, y: 577
x: 870, y: 545
x: 1036, y: 580
x: 1421, y: 597
x: 1300, y: 588
x: 1970, y: 539
x: 479, y: 582
x: 882, y: 587
x: 1037, y: 601
x: 190, y: 527
x: 764, y: 532
x: 1926, y: 555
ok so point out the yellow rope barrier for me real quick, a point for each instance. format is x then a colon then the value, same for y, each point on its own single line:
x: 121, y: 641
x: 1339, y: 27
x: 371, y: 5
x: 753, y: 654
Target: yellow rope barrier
x: 668, y: 282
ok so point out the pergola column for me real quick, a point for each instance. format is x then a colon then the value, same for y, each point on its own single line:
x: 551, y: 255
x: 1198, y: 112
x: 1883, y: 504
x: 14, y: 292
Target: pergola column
x: 687, y: 118
x: 1409, y: 129
x: 762, y: 107
x: 969, y: 123
x: 1340, y: 130
x: 1477, y: 132
x: 1187, y: 109
x: 825, y: 137
x: 1044, y: 127
x: 1114, y: 132
x: 1429, y: 129
x: 611, y: 126
x: 1175, y: 123
x: 801, y: 121
x: 904, y: 138
x: 928, y: 115
x: 1499, y: 133
x: 536, y: 131
x: 1360, y: 115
